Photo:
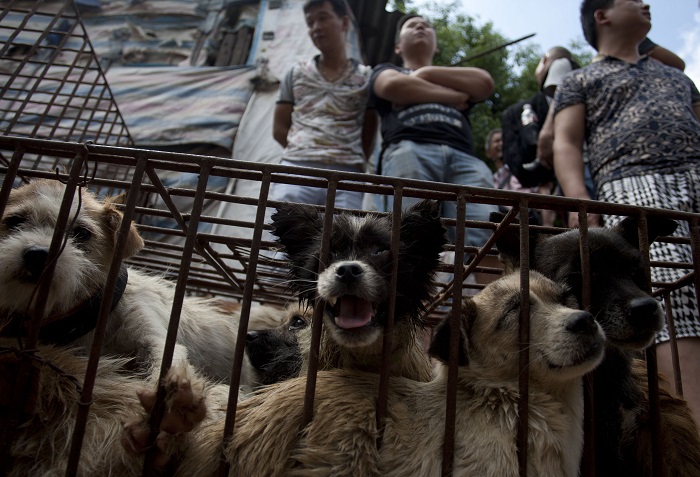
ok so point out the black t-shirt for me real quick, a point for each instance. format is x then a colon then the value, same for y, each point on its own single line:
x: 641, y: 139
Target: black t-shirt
x: 431, y: 123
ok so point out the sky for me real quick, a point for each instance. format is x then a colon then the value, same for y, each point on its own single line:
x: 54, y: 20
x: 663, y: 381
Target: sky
x: 675, y: 24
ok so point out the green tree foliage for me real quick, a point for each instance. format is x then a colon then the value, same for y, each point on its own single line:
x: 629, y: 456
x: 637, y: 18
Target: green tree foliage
x: 461, y: 37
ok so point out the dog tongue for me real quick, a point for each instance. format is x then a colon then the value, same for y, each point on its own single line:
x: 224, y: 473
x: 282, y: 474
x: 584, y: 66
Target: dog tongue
x: 354, y: 312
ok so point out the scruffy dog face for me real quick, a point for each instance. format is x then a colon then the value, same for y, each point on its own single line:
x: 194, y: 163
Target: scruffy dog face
x: 26, y: 230
x: 276, y: 353
x: 355, y: 283
x: 628, y: 314
x: 565, y: 342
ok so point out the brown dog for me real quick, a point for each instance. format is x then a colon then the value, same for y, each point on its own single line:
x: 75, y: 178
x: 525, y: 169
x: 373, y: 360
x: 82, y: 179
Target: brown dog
x: 342, y: 437
x: 630, y: 318
x: 41, y: 444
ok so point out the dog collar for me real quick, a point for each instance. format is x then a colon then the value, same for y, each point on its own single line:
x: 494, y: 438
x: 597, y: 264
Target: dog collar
x: 62, y: 330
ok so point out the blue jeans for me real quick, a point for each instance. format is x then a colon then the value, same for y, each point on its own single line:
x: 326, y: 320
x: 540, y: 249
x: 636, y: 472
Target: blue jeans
x: 313, y: 195
x: 440, y: 163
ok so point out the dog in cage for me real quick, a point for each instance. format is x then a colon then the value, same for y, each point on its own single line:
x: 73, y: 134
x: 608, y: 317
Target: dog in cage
x: 276, y: 353
x: 354, y: 285
x: 630, y: 318
x: 270, y: 437
x: 140, y: 306
x: 40, y: 445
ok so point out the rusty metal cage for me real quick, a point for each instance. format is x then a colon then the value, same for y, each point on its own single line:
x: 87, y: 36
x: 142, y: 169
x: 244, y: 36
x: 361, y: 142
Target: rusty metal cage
x: 52, y: 83
x: 230, y: 254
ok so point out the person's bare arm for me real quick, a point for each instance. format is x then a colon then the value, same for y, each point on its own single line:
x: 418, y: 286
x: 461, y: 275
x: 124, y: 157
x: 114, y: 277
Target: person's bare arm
x: 282, y: 122
x: 666, y: 57
x: 475, y: 82
x: 569, y: 130
x: 399, y: 88
x: 369, y: 132
x: 545, y: 140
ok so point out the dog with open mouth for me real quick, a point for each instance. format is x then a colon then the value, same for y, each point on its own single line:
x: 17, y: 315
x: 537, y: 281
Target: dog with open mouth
x: 271, y: 438
x: 354, y: 285
x: 630, y: 317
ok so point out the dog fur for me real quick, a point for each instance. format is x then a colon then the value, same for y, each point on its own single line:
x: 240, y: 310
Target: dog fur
x: 42, y: 442
x: 276, y: 352
x: 341, y: 440
x: 354, y: 286
x: 137, y: 326
x: 630, y: 318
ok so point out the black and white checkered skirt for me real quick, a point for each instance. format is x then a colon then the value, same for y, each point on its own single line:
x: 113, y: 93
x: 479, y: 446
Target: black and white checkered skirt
x: 678, y: 191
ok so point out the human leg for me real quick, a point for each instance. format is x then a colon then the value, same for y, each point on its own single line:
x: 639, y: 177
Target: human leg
x: 464, y: 169
x: 316, y: 195
x: 411, y: 160
x: 689, y: 358
x: 677, y: 192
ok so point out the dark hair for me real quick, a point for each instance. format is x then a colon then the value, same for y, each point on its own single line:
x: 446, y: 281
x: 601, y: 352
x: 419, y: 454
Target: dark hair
x: 487, y: 144
x: 339, y: 6
x: 588, y: 9
x: 399, y: 24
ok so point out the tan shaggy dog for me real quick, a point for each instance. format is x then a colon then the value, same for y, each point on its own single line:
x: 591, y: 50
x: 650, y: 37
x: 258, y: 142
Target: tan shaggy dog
x: 141, y: 305
x: 270, y: 439
x: 41, y: 444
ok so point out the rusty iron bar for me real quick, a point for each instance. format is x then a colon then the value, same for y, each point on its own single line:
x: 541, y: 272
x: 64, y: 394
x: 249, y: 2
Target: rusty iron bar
x: 230, y: 422
x: 678, y: 384
x: 650, y: 354
x: 387, y: 343
x: 448, y: 446
x: 588, y: 457
x: 101, y: 327
x: 22, y: 390
x: 173, y: 324
x: 319, y: 305
x: 524, y: 340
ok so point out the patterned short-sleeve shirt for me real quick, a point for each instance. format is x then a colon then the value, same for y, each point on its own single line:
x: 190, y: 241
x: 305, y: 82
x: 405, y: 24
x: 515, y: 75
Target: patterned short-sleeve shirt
x: 328, y: 116
x: 639, y: 117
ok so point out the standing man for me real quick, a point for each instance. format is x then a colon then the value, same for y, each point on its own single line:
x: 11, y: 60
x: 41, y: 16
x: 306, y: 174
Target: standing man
x: 425, y: 128
x: 641, y: 121
x: 321, y: 118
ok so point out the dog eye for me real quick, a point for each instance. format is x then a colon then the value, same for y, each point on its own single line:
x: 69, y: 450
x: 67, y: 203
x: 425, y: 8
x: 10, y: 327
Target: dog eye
x: 81, y: 234
x: 380, y: 249
x: 297, y: 323
x: 13, y: 222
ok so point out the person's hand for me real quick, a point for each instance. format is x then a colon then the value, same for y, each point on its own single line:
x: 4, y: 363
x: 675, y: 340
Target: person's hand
x: 594, y: 220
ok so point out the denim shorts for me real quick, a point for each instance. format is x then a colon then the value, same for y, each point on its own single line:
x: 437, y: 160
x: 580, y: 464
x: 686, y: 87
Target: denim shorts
x: 314, y: 195
x: 441, y: 163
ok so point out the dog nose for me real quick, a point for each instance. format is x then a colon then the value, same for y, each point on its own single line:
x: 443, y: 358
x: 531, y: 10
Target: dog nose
x: 581, y: 322
x: 34, y: 259
x: 348, y: 272
x: 643, y: 311
x: 252, y: 336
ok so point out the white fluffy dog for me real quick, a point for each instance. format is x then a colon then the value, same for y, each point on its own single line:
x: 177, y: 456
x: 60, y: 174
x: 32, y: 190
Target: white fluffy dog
x: 141, y: 305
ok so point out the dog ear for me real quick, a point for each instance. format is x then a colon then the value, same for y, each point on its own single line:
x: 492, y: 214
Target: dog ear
x: 508, y: 244
x: 656, y: 227
x: 440, y: 344
x: 295, y: 226
x: 113, y: 218
x: 422, y: 233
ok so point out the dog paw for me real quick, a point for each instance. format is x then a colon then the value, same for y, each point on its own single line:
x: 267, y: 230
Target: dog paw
x: 185, y: 404
x: 185, y: 407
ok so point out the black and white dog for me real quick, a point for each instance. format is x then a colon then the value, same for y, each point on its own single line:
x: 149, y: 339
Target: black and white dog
x: 354, y: 285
